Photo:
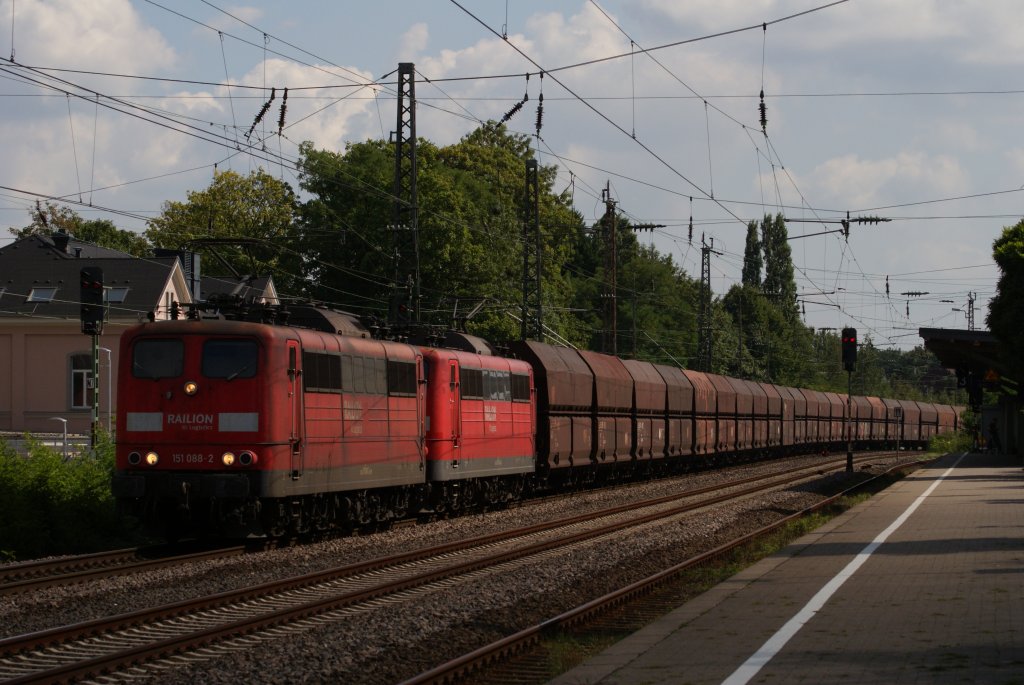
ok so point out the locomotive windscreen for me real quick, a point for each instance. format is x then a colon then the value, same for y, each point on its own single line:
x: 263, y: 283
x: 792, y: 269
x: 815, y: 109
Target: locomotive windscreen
x: 229, y: 359
x: 158, y: 359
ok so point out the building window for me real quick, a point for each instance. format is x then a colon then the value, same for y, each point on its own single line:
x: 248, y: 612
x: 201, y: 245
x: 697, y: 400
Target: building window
x: 41, y: 295
x: 115, y: 294
x: 81, y: 381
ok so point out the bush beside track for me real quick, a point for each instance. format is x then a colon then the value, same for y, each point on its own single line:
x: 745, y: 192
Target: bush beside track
x: 961, y: 441
x: 49, y: 506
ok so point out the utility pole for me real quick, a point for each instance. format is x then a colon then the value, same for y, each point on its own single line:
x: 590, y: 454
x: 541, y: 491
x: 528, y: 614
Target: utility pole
x: 970, y: 310
x: 92, y: 312
x: 610, y: 272
x: 532, y: 269
x: 704, y: 311
x: 405, y: 217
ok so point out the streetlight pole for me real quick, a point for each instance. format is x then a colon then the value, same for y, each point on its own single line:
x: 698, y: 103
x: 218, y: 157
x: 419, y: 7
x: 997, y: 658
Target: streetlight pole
x: 65, y: 422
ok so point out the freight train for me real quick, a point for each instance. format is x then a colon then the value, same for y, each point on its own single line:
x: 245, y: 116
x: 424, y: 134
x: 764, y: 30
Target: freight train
x: 241, y: 427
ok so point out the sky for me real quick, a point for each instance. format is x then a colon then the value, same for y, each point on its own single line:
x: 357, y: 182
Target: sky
x: 905, y: 110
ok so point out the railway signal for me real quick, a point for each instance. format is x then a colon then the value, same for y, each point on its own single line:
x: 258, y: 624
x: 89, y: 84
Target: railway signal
x: 91, y: 297
x: 849, y: 348
x: 849, y: 362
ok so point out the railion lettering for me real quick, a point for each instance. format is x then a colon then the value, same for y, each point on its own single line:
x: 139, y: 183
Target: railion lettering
x: 190, y: 419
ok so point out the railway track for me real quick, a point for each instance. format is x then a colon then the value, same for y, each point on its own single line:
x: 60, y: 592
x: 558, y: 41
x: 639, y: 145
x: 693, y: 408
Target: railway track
x: 122, y: 642
x: 521, y: 658
x: 36, y: 575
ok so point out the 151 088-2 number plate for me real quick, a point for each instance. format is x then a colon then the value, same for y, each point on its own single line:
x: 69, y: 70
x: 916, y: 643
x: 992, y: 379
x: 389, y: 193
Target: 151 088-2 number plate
x: 191, y: 458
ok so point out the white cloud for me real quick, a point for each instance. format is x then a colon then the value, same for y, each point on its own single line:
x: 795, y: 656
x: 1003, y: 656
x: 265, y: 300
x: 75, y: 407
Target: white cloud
x: 413, y: 42
x: 855, y: 182
x: 1015, y: 157
x: 103, y: 35
x: 973, y: 32
x: 956, y: 134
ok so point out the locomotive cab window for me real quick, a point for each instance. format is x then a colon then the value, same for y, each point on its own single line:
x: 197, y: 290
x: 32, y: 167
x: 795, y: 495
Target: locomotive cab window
x: 520, y: 388
x: 364, y: 375
x: 401, y: 378
x: 321, y: 372
x: 497, y: 386
x: 230, y: 359
x: 472, y: 384
x: 158, y: 359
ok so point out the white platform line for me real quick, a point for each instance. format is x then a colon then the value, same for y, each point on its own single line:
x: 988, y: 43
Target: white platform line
x: 776, y: 642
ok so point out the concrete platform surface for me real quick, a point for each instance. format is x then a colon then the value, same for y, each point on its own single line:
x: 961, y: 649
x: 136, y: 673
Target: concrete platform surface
x: 923, y: 583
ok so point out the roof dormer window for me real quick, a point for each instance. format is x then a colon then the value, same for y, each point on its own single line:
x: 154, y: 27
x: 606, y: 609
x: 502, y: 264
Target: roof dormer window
x: 116, y: 294
x: 41, y: 295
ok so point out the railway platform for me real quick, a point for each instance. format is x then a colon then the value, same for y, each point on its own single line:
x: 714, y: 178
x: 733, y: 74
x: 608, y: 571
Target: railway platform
x: 923, y: 583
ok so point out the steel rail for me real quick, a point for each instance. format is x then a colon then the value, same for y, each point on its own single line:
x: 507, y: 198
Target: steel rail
x: 102, y: 565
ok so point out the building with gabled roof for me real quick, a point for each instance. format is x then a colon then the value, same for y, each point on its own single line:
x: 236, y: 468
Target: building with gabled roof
x: 46, y: 365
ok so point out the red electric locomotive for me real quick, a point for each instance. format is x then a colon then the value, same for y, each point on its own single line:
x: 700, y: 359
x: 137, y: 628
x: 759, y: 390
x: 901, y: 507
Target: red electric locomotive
x: 266, y: 428
x: 480, y: 427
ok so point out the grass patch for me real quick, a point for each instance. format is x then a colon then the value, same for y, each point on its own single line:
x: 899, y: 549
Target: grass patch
x: 565, y: 651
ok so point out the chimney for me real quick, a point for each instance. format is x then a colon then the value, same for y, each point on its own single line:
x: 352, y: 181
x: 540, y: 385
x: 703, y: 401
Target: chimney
x: 189, y: 265
x: 61, y: 239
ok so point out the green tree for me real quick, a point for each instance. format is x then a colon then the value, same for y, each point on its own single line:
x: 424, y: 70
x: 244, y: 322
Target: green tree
x: 50, y: 218
x: 753, y: 261
x: 655, y: 297
x: 779, y: 284
x: 657, y: 321
x: 470, y: 229
x: 769, y: 346
x: 1006, y: 309
x: 257, y: 206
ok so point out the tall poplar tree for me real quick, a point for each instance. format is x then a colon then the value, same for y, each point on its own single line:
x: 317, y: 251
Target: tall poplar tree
x: 753, y: 261
x: 779, y: 285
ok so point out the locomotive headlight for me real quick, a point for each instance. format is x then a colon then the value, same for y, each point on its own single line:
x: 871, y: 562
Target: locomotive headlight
x: 191, y: 387
x: 152, y: 458
x: 247, y: 458
x: 134, y: 458
x: 228, y: 458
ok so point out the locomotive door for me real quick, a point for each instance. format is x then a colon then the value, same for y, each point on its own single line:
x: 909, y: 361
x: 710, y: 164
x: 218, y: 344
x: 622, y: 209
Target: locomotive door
x: 295, y: 401
x: 455, y: 402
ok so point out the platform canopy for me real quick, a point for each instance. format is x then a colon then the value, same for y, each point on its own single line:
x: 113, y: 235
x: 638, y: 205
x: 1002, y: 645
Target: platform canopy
x: 976, y: 356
